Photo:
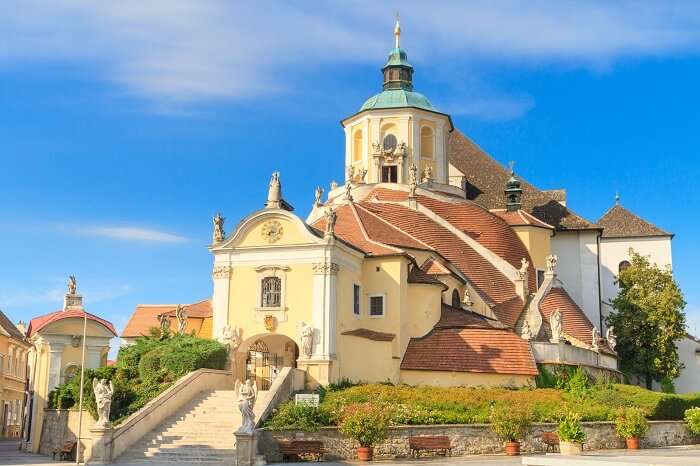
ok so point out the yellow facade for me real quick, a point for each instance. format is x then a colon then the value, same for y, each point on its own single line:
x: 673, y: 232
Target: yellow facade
x: 465, y: 379
x: 538, y: 243
x: 13, y: 372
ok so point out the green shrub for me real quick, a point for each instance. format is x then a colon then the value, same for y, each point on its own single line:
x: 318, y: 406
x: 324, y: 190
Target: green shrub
x: 570, y: 429
x: 692, y: 420
x: 631, y: 423
x: 578, y: 383
x: 151, y: 367
x: 364, y: 422
x: 511, y: 424
x: 545, y: 378
x: 305, y: 417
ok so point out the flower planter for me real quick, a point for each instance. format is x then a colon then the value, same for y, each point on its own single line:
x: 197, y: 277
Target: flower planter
x: 570, y: 448
x: 512, y: 448
x: 365, y: 453
x: 632, y: 443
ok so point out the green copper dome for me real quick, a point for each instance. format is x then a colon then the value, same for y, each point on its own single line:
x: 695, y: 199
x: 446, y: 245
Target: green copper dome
x: 396, y: 98
x: 398, y: 57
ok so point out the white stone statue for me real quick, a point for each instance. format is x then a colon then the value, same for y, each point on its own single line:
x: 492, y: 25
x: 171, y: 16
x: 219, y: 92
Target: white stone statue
x: 377, y: 148
x: 362, y: 173
x: 551, y: 263
x: 331, y: 217
x: 527, y: 331
x: 467, y: 300
x: 524, y: 265
x: 318, y: 194
x: 232, y: 337
x: 181, y: 314
x: 218, y: 235
x: 164, y: 323
x: 595, y: 337
x: 334, y: 185
x: 400, y: 150
x: 611, y: 338
x: 306, y: 335
x: 72, y: 285
x: 413, y: 174
x: 274, y: 192
x: 247, y: 394
x: 427, y: 174
x: 348, y: 190
x: 103, y: 390
x: 556, y: 321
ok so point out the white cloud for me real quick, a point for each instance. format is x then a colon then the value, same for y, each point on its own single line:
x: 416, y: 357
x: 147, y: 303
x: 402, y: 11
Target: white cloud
x: 54, y: 295
x: 133, y: 234
x: 173, y: 52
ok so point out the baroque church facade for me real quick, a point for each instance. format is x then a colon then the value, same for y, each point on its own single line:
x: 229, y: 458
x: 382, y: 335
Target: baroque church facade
x: 432, y: 264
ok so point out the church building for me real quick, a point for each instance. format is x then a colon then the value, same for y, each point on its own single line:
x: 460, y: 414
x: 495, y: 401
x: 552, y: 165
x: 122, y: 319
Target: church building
x: 401, y: 274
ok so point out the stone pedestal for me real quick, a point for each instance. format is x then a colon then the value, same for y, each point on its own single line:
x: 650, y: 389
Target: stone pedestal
x: 247, y: 450
x: 101, y: 445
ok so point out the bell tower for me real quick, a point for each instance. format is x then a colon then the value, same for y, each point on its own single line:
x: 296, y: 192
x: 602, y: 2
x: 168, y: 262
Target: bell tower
x: 396, y: 129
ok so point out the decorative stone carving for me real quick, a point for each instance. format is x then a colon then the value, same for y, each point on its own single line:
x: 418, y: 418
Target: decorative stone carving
x: 348, y: 190
x: 72, y: 285
x: 272, y: 231
x: 428, y: 174
x: 551, y: 263
x: 595, y: 337
x: 611, y: 338
x: 181, y: 314
x: 555, y: 324
x: 247, y: 395
x: 164, y: 320
x: 221, y: 271
x: 526, y: 331
x: 334, y: 185
x: 467, y: 300
x: 401, y: 150
x: 306, y: 336
x: 103, y: 390
x: 232, y: 336
x: 270, y: 323
x: 218, y: 235
x: 75, y: 340
x: 524, y: 265
x: 412, y: 180
x: 318, y: 193
x: 325, y: 268
x: 349, y: 172
x: 331, y: 217
x: 361, y: 175
x: 274, y: 192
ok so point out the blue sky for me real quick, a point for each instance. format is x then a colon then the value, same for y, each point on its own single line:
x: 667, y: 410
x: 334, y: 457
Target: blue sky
x: 125, y: 126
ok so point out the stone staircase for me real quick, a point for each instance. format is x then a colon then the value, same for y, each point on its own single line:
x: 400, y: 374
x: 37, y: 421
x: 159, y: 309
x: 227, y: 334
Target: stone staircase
x: 200, y: 432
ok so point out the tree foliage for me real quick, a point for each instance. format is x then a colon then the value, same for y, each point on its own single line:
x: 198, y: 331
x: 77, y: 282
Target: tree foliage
x: 648, y: 318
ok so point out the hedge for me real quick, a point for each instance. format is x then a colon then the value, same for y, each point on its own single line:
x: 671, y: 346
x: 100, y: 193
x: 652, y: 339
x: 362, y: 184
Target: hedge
x: 142, y: 371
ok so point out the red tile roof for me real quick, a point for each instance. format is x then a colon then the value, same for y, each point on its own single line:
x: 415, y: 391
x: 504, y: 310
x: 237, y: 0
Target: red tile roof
x: 38, y: 323
x: 433, y: 267
x: 370, y: 334
x: 145, y: 316
x: 521, y: 218
x: 470, y: 350
x: 416, y: 275
x: 619, y: 222
x: 451, y: 317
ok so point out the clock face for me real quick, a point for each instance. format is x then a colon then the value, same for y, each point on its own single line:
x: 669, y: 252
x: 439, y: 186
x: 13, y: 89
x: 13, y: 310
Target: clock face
x: 272, y: 231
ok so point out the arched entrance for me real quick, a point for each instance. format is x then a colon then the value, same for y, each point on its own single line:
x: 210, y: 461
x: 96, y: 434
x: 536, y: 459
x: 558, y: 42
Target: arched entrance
x: 265, y: 356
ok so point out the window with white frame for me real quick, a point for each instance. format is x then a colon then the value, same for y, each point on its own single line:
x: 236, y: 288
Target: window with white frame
x: 271, y: 292
x: 356, y: 299
x: 377, y: 304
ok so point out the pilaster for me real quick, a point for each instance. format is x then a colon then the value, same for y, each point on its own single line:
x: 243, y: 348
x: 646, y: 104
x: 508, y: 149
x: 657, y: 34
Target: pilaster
x: 324, y: 308
x: 440, y: 152
x: 93, y: 357
x: 221, y: 276
x: 55, y: 360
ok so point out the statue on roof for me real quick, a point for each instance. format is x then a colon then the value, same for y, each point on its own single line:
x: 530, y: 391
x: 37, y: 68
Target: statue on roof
x: 556, y: 321
x: 348, y: 190
x: 526, y: 331
x: 467, y: 300
x: 524, y: 265
x: 317, y: 196
x: 164, y: 320
x: 551, y: 263
x: 181, y: 314
x: 595, y: 338
x: 611, y: 338
x: 274, y: 192
x: 334, y: 185
x: 219, y: 234
x: 72, y: 284
x: 427, y: 174
x: 331, y: 217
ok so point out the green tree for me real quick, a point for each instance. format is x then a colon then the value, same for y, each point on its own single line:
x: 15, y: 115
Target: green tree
x: 648, y: 318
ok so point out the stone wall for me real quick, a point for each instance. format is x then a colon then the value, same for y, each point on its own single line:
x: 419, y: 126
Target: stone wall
x: 61, y: 426
x: 471, y: 439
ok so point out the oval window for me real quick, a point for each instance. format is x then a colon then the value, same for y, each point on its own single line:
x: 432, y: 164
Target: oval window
x: 389, y: 142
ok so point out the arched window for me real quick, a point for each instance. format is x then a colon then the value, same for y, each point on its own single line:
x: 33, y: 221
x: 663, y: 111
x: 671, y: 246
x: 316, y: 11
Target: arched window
x: 389, y: 142
x: 456, y: 301
x: 624, y: 265
x: 427, y: 142
x: 357, y: 146
x: 271, y: 292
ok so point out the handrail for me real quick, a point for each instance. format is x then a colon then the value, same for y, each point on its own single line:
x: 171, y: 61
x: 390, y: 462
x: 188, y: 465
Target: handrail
x: 169, y: 392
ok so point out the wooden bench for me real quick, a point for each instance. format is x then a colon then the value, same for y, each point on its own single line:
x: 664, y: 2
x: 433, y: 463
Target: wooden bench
x: 551, y: 441
x: 438, y: 443
x: 301, y: 449
x: 67, y: 450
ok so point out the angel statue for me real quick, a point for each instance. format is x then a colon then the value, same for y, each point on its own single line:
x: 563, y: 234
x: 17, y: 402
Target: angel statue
x: 611, y: 338
x: 527, y: 331
x: 524, y: 264
x: 318, y: 193
x: 181, y: 315
x: 232, y: 336
x: 306, y: 335
x: 72, y: 284
x: 247, y: 394
x: 555, y: 323
x: 219, y: 234
x: 595, y: 336
x: 331, y: 218
x: 551, y: 263
x: 103, y: 390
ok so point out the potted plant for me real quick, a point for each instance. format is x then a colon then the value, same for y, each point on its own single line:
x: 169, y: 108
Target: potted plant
x: 692, y: 420
x: 631, y: 425
x: 511, y: 424
x: 571, y: 434
x: 366, y: 424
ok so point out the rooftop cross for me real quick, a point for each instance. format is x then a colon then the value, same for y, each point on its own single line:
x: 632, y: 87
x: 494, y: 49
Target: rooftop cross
x: 617, y: 198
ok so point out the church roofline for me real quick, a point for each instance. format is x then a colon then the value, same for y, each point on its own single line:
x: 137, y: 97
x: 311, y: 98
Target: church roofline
x: 356, y: 114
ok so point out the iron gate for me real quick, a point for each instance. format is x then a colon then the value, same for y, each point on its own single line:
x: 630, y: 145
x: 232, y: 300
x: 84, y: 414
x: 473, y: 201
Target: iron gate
x: 261, y: 365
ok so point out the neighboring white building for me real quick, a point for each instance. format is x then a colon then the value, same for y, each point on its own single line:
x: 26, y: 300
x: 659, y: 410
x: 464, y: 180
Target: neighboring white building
x: 689, y: 352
